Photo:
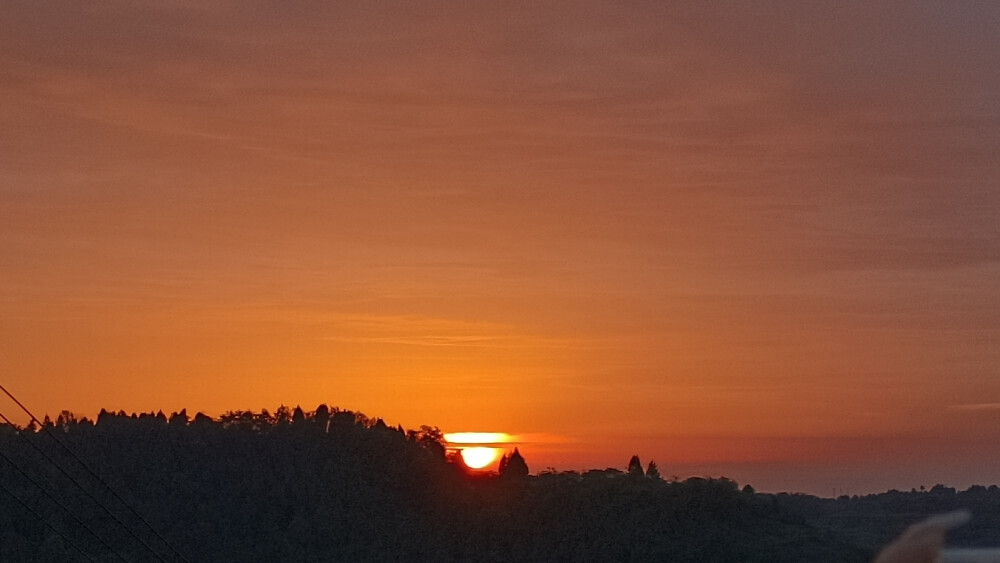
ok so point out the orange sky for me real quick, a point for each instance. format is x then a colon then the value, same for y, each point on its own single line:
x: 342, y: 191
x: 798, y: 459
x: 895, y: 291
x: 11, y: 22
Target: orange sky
x: 759, y: 240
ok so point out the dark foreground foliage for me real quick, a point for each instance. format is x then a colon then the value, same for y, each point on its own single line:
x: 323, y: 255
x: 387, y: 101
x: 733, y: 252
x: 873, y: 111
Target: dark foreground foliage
x: 337, y: 486
x: 871, y: 521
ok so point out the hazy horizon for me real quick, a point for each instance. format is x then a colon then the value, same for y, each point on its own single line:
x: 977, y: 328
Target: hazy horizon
x: 818, y: 476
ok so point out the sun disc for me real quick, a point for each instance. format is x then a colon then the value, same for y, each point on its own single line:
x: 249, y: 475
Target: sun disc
x: 479, y: 457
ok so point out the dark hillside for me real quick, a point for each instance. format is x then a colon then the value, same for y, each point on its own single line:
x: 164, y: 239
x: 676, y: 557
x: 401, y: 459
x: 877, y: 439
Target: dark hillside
x: 873, y: 520
x: 337, y: 486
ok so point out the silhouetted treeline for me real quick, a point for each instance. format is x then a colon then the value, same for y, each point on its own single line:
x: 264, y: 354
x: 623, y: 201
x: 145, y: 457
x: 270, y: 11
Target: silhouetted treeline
x: 334, y: 485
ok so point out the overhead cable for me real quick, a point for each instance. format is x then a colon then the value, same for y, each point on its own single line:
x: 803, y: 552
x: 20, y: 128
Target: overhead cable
x: 102, y: 482
x: 57, y: 502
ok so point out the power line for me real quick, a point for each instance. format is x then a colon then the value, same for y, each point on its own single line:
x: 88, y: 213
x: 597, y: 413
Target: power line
x: 55, y: 500
x: 105, y: 484
x: 82, y: 488
x: 46, y: 522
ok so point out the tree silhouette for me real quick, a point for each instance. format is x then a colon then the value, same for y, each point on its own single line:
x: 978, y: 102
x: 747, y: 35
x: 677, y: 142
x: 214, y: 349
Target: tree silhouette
x: 322, y: 417
x: 635, y: 467
x: 202, y: 420
x: 178, y: 419
x: 514, y: 466
x: 283, y: 415
x: 653, y: 472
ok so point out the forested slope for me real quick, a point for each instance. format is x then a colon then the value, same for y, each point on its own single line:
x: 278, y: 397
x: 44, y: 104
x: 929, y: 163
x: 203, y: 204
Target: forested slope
x: 337, y: 486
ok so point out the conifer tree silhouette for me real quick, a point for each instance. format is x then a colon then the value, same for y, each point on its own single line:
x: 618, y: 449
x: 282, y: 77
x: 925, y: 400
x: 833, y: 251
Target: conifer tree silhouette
x: 514, y: 466
x: 653, y: 472
x: 635, y: 467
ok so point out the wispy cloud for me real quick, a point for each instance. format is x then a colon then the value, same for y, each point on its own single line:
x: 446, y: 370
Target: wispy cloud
x: 429, y: 340
x: 975, y: 407
x: 416, y: 330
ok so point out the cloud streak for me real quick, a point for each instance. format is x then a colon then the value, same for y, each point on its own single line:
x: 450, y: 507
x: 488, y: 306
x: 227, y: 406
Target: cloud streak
x: 975, y: 407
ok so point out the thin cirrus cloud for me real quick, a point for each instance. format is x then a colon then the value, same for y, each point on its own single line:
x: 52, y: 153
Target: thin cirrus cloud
x: 430, y: 340
x: 975, y: 407
x: 412, y: 330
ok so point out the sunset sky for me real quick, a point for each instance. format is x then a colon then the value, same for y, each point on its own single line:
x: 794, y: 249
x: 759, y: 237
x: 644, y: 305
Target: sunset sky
x: 756, y: 239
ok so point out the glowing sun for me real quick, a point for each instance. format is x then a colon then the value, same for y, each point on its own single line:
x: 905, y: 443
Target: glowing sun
x: 479, y: 456
x: 478, y: 449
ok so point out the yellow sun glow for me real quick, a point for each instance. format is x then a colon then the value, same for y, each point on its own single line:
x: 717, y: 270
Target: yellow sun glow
x: 479, y: 457
x: 477, y: 438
